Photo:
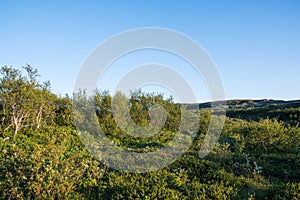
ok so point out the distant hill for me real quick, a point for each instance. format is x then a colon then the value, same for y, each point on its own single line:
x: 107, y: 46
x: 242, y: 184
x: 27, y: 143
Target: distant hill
x: 254, y: 110
x: 262, y: 103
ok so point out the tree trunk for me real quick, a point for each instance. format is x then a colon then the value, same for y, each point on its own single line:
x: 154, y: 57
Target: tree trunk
x: 39, y: 117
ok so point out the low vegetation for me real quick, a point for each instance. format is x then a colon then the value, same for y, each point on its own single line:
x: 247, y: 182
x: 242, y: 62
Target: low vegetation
x: 42, y: 157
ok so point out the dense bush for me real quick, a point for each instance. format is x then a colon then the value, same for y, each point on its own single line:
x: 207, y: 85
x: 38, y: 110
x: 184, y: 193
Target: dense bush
x: 46, y: 159
x: 52, y: 163
x: 49, y: 163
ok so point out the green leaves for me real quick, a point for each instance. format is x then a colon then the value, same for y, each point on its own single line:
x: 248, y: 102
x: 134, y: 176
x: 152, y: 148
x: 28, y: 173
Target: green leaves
x: 56, y: 167
x: 25, y: 103
x: 252, y: 159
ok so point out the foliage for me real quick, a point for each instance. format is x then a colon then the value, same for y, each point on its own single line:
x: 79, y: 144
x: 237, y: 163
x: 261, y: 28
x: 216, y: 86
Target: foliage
x: 253, y: 159
x: 50, y: 163
x: 25, y: 103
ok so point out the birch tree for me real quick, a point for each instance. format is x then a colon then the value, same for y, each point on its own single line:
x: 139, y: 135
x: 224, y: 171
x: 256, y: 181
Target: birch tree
x: 24, y: 101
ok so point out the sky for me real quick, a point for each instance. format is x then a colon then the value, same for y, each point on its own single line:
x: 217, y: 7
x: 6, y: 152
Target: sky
x: 255, y: 44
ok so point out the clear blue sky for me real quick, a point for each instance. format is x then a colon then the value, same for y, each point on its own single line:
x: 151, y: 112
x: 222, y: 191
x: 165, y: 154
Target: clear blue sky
x: 255, y: 44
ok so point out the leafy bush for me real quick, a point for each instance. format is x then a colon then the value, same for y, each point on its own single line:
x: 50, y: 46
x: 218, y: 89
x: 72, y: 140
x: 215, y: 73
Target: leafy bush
x: 46, y: 160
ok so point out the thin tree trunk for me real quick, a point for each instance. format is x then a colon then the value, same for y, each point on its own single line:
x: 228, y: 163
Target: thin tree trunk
x: 39, y: 117
x: 17, y: 120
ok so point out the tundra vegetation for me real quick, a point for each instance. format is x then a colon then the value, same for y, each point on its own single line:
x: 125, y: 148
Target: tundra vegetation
x: 42, y: 157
